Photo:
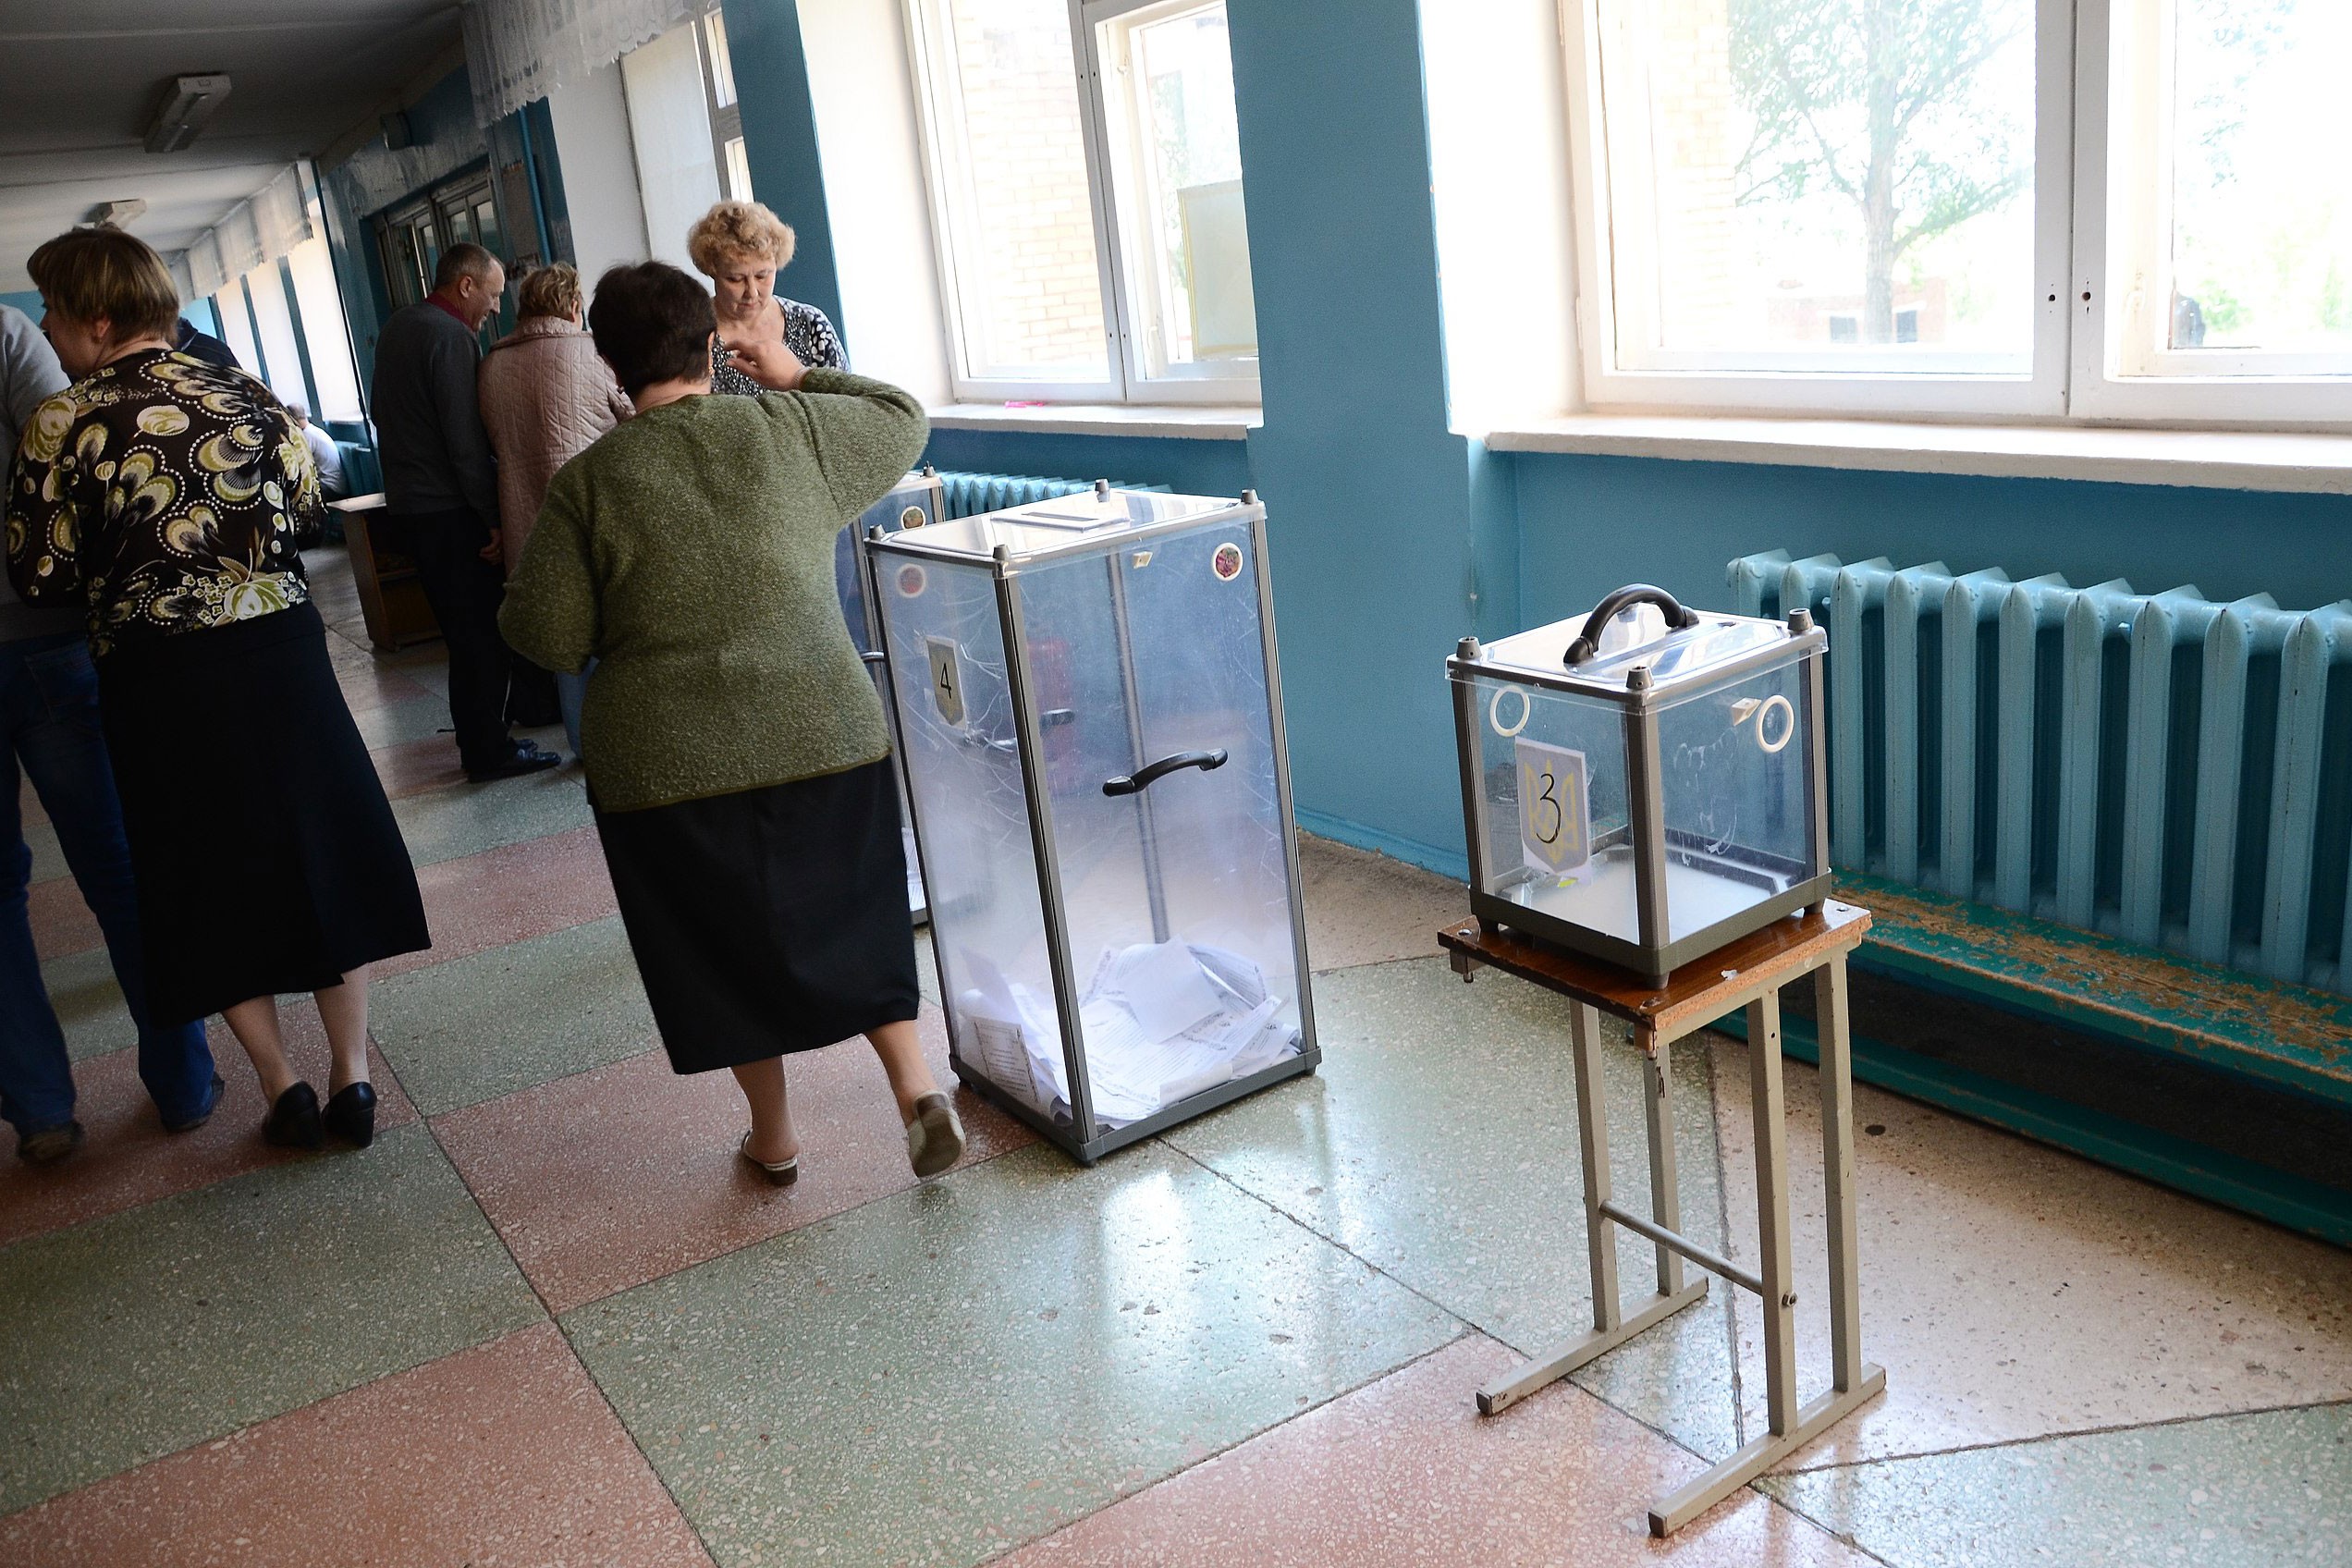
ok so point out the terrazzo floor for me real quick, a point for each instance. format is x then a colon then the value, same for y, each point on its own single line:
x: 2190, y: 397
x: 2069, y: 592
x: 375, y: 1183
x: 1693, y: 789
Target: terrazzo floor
x: 548, y: 1321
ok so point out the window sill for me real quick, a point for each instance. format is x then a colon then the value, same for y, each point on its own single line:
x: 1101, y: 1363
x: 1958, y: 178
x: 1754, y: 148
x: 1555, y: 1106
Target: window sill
x: 1183, y: 421
x: 2213, y: 460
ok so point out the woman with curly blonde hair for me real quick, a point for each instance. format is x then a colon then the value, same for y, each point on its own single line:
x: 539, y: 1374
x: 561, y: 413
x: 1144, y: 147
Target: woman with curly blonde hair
x: 741, y: 246
x: 162, y: 497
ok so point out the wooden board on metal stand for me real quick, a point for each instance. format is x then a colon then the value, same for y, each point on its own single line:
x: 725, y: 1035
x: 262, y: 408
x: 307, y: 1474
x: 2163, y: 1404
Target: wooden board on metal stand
x: 392, y: 599
x: 1747, y: 973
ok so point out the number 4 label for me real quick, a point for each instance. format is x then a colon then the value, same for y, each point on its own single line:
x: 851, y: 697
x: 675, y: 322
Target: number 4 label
x: 1555, y: 813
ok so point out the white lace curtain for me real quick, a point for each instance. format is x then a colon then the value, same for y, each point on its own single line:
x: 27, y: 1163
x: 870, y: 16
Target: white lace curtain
x: 519, y: 50
x: 261, y: 228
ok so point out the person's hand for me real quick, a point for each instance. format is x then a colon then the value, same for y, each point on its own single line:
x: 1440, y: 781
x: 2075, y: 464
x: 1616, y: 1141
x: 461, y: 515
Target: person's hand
x: 494, y: 552
x: 771, y: 364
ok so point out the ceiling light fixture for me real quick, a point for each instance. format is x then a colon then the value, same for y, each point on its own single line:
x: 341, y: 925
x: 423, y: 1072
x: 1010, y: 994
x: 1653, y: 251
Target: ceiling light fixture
x: 188, y: 106
x: 117, y: 213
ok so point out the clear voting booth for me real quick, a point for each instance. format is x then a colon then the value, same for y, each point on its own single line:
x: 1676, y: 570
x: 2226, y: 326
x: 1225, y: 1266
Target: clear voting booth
x: 1091, y: 718
x: 1647, y: 783
x: 915, y: 501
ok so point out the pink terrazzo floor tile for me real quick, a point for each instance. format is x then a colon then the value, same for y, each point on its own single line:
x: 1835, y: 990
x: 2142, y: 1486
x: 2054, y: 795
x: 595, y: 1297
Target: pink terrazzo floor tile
x: 507, y: 894
x: 504, y: 1453
x: 607, y: 1179
x: 130, y: 1158
x: 371, y: 686
x: 1405, y: 1471
x: 411, y: 768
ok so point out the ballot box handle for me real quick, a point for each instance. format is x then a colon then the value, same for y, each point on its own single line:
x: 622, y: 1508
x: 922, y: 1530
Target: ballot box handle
x: 1149, y: 774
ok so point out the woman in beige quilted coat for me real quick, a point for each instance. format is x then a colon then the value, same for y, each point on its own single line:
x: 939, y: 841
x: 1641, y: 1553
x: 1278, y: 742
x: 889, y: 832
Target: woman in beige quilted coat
x: 546, y: 396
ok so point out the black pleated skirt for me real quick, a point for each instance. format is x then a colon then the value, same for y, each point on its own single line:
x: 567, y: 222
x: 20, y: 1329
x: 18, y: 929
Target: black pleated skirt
x: 769, y: 921
x: 266, y: 855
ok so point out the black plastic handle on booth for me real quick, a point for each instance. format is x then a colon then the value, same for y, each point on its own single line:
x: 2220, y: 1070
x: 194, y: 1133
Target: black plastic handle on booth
x: 1588, y: 642
x: 1152, y: 773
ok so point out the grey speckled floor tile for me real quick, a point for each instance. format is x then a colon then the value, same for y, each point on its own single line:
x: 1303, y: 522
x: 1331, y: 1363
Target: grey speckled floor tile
x: 89, y: 1004
x: 1439, y: 1142
x: 399, y: 722
x: 137, y: 1335
x: 2262, y: 1489
x: 48, y: 859
x: 948, y: 1371
x: 478, y: 1028
x: 1362, y: 908
x: 446, y: 823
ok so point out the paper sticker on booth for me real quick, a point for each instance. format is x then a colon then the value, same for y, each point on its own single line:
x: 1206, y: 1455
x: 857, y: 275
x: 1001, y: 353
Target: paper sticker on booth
x: 1555, y: 812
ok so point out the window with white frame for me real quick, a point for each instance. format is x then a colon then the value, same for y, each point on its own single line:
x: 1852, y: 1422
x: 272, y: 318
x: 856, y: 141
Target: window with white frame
x: 1085, y: 169
x: 686, y: 127
x: 2103, y: 208
x: 2226, y: 207
x: 726, y: 115
x: 324, y: 331
x: 281, y: 364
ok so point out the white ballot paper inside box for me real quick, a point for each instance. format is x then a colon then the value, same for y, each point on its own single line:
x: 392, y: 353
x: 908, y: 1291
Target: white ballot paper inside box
x: 1161, y: 1023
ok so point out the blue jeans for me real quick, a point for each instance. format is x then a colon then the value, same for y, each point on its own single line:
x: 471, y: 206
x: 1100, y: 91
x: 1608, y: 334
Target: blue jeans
x: 570, y: 692
x: 49, y: 725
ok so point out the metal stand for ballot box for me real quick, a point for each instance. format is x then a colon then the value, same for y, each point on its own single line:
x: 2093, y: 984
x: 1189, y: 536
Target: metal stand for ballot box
x: 1748, y: 974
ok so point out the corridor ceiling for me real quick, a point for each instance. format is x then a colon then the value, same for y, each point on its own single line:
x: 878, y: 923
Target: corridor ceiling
x: 81, y: 78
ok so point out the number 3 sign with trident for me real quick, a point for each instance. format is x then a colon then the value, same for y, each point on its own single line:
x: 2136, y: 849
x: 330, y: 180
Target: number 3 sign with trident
x: 1555, y: 815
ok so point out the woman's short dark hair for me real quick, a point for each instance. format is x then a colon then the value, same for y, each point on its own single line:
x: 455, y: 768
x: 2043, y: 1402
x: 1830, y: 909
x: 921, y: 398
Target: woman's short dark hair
x: 651, y: 322
x: 90, y: 273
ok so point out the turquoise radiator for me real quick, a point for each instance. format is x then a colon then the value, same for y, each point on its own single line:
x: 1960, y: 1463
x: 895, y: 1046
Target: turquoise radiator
x: 969, y: 494
x: 2158, y: 767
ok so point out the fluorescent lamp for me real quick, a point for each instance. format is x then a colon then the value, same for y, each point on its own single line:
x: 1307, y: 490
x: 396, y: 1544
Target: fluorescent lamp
x: 118, y: 214
x: 188, y: 106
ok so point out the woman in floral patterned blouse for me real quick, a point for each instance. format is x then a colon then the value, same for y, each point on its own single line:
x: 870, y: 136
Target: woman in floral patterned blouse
x: 164, y: 496
x: 741, y: 246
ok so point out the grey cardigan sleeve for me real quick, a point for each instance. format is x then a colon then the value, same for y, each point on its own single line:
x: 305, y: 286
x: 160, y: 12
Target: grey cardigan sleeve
x: 30, y: 377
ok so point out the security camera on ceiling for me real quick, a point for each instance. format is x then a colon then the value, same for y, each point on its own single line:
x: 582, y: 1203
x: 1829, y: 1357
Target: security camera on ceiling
x: 188, y: 106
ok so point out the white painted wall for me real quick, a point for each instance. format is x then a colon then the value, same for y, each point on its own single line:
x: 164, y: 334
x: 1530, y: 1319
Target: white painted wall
x: 891, y: 318
x: 669, y: 123
x: 1499, y: 156
x: 599, y: 172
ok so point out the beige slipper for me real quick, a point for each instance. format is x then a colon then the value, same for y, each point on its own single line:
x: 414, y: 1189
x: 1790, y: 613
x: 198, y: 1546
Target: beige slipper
x: 783, y: 1174
x: 935, y: 1138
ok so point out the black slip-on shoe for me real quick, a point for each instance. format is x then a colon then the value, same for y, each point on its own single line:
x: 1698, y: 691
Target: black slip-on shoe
x: 350, y: 1114
x: 293, y: 1121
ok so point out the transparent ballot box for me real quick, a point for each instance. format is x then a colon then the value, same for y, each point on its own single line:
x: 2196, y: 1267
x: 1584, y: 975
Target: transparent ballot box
x: 1092, y: 732
x: 915, y: 501
x: 1647, y: 783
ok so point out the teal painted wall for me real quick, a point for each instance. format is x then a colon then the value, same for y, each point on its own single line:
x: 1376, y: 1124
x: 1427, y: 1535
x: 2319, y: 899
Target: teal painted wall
x: 1588, y: 525
x: 1392, y: 536
x: 198, y: 311
x: 1196, y: 468
x: 444, y: 140
x: 779, y: 141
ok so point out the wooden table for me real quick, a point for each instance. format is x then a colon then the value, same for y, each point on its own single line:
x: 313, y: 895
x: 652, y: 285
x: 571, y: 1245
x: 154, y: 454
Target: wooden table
x: 391, y: 594
x: 1748, y: 974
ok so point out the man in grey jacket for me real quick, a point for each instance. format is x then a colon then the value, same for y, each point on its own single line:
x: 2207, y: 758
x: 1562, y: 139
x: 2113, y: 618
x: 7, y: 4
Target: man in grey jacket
x: 49, y: 732
x: 441, y: 486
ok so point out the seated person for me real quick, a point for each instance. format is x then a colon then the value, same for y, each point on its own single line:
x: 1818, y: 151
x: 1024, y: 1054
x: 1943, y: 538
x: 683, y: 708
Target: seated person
x: 323, y: 452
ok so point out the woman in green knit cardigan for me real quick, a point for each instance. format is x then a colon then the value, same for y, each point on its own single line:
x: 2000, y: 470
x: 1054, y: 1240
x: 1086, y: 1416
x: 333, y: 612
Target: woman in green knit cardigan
x: 737, y: 756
